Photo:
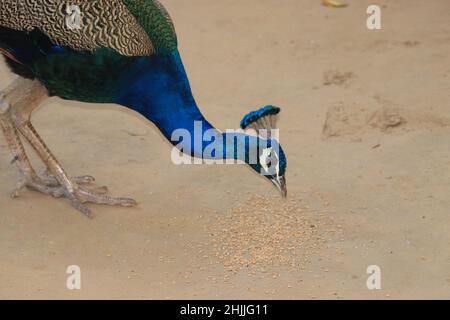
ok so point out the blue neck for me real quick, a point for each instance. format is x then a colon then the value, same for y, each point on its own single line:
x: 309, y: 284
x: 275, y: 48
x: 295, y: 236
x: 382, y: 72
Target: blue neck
x: 158, y: 88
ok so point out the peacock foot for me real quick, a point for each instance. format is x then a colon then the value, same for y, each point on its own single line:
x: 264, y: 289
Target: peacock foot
x: 83, y: 192
x: 81, y: 195
x: 50, y: 180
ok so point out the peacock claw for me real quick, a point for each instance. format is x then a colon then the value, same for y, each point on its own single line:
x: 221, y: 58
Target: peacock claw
x: 37, y: 185
x: 82, y: 193
x: 78, y: 204
x: 51, y: 180
x: 92, y: 196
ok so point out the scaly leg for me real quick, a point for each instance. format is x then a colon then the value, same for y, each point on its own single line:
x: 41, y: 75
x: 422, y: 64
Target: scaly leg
x: 28, y: 176
x: 22, y: 100
x: 20, y: 158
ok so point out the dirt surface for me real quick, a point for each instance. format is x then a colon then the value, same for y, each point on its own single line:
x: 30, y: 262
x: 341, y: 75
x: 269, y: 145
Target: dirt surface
x: 365, y: 125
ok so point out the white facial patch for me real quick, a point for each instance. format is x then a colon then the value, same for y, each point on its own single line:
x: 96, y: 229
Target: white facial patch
x: 267, y: 157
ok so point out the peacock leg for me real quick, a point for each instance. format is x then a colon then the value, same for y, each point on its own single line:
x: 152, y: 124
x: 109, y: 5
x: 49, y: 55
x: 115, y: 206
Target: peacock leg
x: 27, y: 175
x: 15, y: 145
x: 22, y: 102
x: 20, y: 158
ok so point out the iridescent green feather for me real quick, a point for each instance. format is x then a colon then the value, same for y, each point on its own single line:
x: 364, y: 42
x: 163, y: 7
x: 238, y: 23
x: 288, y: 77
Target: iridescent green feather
x: 155, y: 20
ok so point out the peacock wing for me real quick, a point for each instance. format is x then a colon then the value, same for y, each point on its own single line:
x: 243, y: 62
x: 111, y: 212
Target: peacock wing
x: 131, y: 27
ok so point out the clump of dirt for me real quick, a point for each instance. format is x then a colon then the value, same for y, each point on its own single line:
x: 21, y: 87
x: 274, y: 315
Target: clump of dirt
x: 340, y: 122
x: 386, y: 118
x: 335, y: 77
x: 264, y: 233
x: 350, y: 121
x: 410, y: 43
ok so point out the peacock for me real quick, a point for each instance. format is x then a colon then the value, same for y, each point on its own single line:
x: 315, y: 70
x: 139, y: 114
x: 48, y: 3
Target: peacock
x: 123, y: 52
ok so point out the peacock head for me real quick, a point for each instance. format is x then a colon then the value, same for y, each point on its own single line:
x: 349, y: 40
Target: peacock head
x: 271, y: 160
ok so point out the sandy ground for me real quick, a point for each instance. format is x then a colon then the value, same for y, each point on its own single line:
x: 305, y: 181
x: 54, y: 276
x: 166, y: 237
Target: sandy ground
x: 365, y: 124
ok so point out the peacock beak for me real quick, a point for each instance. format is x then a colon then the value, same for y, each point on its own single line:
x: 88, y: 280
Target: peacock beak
x: 280, y: 183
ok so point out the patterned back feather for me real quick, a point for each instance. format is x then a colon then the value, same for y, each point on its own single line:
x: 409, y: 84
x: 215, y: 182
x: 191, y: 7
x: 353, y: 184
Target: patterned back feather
x: 155, y: 19
x: 131, y: 27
